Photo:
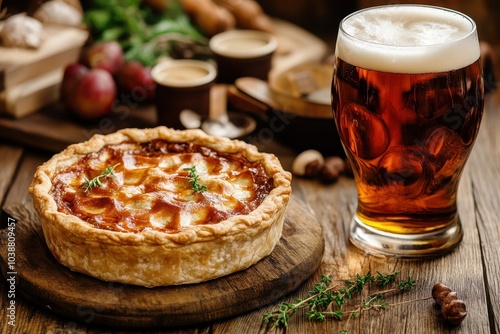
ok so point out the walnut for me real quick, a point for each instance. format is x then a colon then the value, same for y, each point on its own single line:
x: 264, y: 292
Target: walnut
x: 22, y: 31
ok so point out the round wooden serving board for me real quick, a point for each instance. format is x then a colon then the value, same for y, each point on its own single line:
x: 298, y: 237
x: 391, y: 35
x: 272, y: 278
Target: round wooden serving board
x: 48, y: 284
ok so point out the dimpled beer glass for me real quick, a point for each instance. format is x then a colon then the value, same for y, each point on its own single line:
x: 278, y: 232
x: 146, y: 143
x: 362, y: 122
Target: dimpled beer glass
x: 407, y: 98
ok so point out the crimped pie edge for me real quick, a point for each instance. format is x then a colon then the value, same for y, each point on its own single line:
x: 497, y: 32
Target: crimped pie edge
x: 153, y: 258
x: 47, y: 208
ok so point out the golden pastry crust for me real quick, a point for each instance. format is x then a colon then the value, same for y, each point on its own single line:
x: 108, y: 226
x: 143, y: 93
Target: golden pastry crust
x: 155, y: 258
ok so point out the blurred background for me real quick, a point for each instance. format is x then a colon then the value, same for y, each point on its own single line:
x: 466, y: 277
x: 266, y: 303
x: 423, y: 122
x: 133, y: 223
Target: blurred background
x: 322, y: 17
x: 319, y: 17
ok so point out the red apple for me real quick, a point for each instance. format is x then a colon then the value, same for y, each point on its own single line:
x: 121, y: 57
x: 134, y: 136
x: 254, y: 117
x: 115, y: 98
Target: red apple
x: 92, y: 96
x: 135, y: 79
x: 72, y: 74
x: 104, y: 55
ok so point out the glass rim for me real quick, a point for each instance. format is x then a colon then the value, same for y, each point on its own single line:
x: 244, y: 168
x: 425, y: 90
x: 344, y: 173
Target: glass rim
x: 472, y: 31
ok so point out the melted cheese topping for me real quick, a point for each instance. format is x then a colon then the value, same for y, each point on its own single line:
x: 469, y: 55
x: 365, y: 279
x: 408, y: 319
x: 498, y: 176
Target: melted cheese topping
x: 150, y: 188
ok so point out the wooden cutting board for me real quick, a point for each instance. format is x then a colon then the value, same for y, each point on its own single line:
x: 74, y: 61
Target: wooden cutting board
x: 52, y: 129
x: 46, y: 283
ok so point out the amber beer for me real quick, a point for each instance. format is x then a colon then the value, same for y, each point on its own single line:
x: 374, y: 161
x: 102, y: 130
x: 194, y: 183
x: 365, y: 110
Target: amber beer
x: 407, y: 98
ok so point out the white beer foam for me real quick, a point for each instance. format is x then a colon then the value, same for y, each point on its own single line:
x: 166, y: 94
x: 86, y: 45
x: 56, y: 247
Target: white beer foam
x: 408, y: 39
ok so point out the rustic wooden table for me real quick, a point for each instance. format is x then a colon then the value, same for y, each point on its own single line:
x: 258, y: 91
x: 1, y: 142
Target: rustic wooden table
x: 473, y: 269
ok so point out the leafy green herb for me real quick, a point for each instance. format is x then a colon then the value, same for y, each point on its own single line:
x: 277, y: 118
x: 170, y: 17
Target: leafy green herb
x: 145, y: 35
x: 96, y: 181
x: 194, y: 180
x: 383, y: 280
x: 326, y: 300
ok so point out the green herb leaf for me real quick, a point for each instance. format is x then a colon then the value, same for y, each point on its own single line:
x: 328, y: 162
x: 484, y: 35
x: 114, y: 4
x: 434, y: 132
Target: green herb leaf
x: 383, y: 280
x: 322, y: 299
x: 409, y: 284
x: 141, y: 31
x: 96, y: 181
x: 195, y: 180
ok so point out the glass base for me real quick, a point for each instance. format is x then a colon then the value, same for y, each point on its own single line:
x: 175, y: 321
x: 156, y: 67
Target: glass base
x: 382, y: 243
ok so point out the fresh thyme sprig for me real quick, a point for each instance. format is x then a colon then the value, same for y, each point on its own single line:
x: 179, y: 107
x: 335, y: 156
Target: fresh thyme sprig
x: 326, y: 301
x: 96, y: 181
x: 194, y: 180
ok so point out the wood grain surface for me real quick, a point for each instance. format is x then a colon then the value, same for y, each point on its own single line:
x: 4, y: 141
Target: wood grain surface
x: 46, y: 283
x: 472, y: 269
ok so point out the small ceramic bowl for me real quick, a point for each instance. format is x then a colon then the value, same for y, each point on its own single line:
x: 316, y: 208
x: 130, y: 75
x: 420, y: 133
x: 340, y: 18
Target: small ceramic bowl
x: 182, y: 84
x: 242, y: 53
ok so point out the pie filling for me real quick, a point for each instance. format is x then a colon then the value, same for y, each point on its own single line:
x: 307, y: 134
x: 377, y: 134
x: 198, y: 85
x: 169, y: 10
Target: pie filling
x: 151, y: 188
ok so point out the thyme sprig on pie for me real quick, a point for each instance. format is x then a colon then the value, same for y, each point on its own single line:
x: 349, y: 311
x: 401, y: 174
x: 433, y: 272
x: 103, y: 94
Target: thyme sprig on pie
x: 194, y: 180
x: 96, y: 181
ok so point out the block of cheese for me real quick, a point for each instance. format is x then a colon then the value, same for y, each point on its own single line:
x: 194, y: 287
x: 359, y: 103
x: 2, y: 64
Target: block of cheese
x: 28, y: 97
x: 61, y: 46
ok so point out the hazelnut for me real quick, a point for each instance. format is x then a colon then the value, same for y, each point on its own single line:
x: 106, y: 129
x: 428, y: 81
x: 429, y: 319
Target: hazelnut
x: 308, y: 163
x: 453, y: 309
x: 332, y: 169
x: 439, y: 291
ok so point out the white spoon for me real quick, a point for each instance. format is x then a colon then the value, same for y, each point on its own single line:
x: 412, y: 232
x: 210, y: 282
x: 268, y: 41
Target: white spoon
x: 221, y: 122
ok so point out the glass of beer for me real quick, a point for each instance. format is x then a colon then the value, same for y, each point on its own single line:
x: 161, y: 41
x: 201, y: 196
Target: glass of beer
x: 407, y: 98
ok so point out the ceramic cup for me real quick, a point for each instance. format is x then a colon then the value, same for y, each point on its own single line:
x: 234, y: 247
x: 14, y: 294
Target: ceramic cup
x: 242, y: 53
x: 182, y: 84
